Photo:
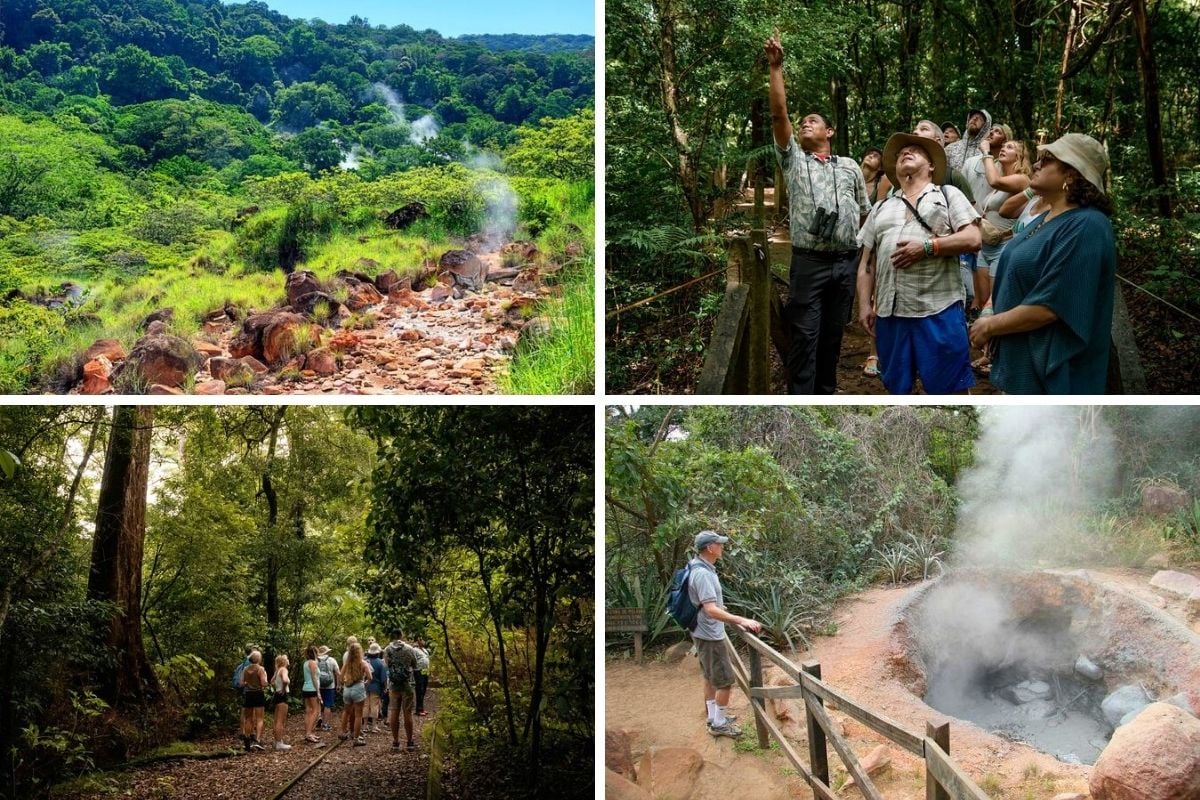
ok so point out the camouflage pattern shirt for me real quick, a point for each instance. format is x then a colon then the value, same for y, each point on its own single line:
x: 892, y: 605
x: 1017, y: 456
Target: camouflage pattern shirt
x: 836, y: 183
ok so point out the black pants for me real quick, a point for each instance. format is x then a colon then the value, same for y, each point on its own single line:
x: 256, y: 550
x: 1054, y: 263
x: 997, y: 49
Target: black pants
x: 820, y: 300
x: 422, y: 683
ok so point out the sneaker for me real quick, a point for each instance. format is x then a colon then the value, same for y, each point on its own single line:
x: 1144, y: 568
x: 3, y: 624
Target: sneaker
x: 257, y: 745
x: 375, y: 729
x: 410, y: 746
x: 422, y: 713
x: 360, y: 741
x: 282, y: 746
x: 395, y: 747
x: 318, y: 743
x: 246, y: 743
x: 727, y: 729
x: 343, y: 736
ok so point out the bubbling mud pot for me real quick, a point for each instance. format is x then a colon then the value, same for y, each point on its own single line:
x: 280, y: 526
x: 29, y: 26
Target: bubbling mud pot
x: 1052, y: 659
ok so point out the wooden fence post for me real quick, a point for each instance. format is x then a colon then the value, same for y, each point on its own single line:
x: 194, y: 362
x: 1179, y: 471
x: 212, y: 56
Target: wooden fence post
x: 758, y: 321
x: 756, y: 681
x: 818, y: 751
x: 941, y: 735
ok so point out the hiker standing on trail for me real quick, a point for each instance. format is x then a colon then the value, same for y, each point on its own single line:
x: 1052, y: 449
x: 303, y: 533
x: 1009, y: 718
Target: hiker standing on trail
x: 1054, y: 290
x: 421, y: 675
x: 400, y: 660
x: 310, y: 691
x: 979, y: 124
x: 704, y: 590
x: 994, y: 229
x: 872, y: 169
x: 254, y: 702
x: 328, y: 668
x: 280, y: 683
x: 344, y: 722
x: 376, y: 687
x: 356, y: 672
x: 828, y: 202
x: 910, y: 295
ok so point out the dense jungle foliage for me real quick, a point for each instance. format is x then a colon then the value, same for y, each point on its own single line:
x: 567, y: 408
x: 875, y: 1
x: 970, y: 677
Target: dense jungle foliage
x: 277, y: 526
x: 824, y: 501
x: 133, y: 133
x: 686, y: 83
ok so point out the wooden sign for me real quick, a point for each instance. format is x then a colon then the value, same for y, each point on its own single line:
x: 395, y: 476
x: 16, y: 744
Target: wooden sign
x: 627, y: 620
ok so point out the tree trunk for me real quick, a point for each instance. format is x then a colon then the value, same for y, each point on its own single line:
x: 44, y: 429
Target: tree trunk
x: 272, y: 539
x: 1154, y: 139
x: 1073, y: 24
x: 1024, y: 16
x: 910, y: 44
x: 841, y: 115
x: 116, y: 567
x: 687, y: 168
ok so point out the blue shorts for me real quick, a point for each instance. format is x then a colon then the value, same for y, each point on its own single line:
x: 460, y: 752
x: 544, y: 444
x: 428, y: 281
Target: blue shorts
x: 935, y: 347
x: 328, y: 696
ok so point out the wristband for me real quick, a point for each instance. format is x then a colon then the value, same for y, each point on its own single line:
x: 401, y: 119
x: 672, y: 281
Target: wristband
x: 928, y: 247
x: 935, y: 247
x: 988, y: 155
x: 1029, y: 192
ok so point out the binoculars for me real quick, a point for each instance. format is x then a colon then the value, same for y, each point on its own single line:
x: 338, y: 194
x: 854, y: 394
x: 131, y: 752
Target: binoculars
x: 823, y: 224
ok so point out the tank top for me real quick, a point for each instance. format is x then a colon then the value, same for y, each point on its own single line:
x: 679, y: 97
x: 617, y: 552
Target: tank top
x: 252, y: 679
x: 308, y: 684
x: 280, y: 680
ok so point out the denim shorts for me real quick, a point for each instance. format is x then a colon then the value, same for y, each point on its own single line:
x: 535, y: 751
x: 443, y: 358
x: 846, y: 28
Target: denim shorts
x: 354, y: 693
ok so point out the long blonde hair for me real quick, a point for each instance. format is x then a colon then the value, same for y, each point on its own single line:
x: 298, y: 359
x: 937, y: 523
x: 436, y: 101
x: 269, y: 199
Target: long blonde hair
x: 1022, y: 164
x: 354, y: 670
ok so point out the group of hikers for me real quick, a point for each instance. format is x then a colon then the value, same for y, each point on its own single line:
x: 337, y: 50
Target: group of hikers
x: 947, y: 239
x: 377, y: 685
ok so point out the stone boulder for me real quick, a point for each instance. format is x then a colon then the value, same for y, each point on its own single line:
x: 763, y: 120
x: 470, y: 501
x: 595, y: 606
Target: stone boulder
x: 1160, y: 499
x: 320, y: 307
x: 163, y: 315
x: 159, y: 359
x: 109, y: 348
x: 274, y: 336
x: 232, y: 371
x: 618, y: 787
x: 618, y: 752
x: 528, y: 280
x: 96, y: 374
x: 1122, y: 701
x: 299, y: 284
x: 1087, y: 668
x: 386, y: 280
x: 465, y: 268
x: 156, y: 328
x: 210, y: 388
x: 670, y: 773
x: 876, y: 761
x: 1155, y: 757
x: 322, y: 362
x: 207, y: 349
x: 1180, y: 584
x: 362, y: 295
x: 404, y: 216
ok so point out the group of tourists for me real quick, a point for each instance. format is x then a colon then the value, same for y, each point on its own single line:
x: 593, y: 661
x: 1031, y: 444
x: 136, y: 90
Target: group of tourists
x: 947, y: 239
x: 377, y: 684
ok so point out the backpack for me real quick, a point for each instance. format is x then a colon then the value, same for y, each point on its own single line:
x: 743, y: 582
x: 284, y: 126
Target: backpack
x: 399, y: 663
x: 679, y: 601
x: 325, y: 672
x: 237, y: 673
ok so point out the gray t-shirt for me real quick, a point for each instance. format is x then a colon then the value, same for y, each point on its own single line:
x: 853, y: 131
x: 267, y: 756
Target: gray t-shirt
x: 705, y: 587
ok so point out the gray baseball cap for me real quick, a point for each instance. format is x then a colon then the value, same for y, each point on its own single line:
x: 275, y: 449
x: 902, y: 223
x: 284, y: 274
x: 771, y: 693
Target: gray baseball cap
x: 705, y: 538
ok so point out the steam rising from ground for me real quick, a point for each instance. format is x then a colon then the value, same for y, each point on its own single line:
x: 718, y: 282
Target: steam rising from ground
x: 420, y: 131
x: 1036, y: 470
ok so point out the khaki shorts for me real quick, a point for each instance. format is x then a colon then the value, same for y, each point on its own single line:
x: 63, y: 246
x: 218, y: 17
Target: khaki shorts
x: 403, y: 700
x: 715, y: 663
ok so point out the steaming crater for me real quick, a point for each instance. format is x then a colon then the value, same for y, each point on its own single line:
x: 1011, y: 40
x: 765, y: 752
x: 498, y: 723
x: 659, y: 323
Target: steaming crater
x: 1031, y: 655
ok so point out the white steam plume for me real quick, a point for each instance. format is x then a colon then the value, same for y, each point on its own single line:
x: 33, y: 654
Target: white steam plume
x: 392, y: 101
x: 423, y: 130
x: 351, y: 159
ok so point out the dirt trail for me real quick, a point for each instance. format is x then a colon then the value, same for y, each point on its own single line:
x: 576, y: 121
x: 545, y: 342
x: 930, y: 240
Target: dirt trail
x: 661, y: 704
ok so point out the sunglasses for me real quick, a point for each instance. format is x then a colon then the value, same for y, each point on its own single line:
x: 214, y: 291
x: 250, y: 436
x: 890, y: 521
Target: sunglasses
x: 1044, y: 160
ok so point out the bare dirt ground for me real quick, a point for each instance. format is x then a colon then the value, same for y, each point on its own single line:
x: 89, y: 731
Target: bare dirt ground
x: 661, y: 704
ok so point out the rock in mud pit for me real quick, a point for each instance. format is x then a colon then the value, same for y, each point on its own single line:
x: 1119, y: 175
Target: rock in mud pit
x: 109, y: 348
x: 466, y: 268
x: 299, y: 284
x: 618, y: 787
x: 363, y: 295
x: 232, y: 371
x: 163, y: 359
x: 670, y: 773
x: 321, y: 362
x: 1159, y: 499
x: 96, y: 374
x: 1155, y: 757
x: 1087, y: 668
x: 1122, y: 701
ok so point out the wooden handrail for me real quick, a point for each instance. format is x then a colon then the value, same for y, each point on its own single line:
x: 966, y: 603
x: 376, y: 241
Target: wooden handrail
x: 949, y: 774
x: 718, y: 375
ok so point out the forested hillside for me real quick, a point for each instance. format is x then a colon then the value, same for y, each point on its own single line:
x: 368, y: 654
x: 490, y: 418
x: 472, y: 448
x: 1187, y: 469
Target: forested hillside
x: 208, y: 145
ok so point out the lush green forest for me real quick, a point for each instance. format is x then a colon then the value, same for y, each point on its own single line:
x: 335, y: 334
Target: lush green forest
x: 147, y: 546
x: 179, y: 154
x: 687, y: 112
x: 823, y: 501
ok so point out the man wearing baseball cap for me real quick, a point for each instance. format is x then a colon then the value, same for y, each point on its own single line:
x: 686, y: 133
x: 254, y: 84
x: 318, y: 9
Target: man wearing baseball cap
x: 1054, y: 290
x: 704, y: 588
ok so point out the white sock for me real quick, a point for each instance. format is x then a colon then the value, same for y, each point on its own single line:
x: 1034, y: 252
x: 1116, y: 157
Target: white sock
x: 719, y: 716
x: 712, y: 710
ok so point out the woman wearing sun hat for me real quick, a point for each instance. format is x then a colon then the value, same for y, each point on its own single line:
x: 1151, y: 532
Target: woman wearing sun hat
x: 1053, y: 296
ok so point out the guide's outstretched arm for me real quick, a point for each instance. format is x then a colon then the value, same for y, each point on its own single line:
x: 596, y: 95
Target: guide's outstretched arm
x: 781, y: 126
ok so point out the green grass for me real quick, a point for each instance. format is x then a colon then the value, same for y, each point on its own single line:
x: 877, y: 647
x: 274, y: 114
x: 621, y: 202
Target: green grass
x: 561, y: 361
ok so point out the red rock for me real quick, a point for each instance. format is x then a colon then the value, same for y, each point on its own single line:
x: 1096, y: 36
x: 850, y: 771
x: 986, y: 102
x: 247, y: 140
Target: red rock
x: 299, y: 284
x: 308, y: 373
x: 254, y: 364
x: 876, y: 761
x: 287, y: 335
x: 1159, y: 499
x: 274, y: 390
x: 402, y: 295
x: 363, y: 295
x: 1154, y: 757
x: 232, y: 371
x: 210, y: 387
x: 96, y: 373
x: 670, y: 773
x: 156, y: 328
x: 410, y: 335
x: 207, y: 349
x: 439, y: 293
x: 109, y: 348
x: 322, y: 362
x: 158, y: 388
x: 214, y: 327
x: 618, y: 787
x: 167, y: 360
x: 529, y: 280
x: 386, y: 280
x: 344, y: 341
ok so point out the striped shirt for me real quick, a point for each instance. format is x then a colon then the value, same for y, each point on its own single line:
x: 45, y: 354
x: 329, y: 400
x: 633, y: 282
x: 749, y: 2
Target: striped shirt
x: 932, y: 284
x: 811, y: 182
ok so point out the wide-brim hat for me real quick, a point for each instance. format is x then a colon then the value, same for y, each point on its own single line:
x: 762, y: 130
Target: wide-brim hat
x: 374, y: 649
x: 322, y: 651
x: 898, y: 141
x: 1083, y: 153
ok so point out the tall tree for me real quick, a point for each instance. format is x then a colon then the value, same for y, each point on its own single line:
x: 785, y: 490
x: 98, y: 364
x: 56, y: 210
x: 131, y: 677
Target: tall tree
x: 116, y: 566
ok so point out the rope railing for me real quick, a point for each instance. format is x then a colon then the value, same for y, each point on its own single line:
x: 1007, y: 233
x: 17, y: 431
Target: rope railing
x: 672, y: 290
